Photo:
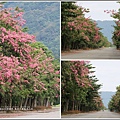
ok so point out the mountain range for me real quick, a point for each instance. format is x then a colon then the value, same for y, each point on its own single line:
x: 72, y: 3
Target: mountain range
x: 107, y: 28
x: 106, y: 96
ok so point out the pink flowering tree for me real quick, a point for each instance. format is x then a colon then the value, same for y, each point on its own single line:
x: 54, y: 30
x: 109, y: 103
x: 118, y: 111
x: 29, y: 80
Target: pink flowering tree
x: 79, y: 87
x: 23, y: 68
x: 116, y: 34
x: 77, y: 31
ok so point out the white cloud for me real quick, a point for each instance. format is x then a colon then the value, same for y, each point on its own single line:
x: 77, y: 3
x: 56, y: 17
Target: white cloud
x: 97, y: 8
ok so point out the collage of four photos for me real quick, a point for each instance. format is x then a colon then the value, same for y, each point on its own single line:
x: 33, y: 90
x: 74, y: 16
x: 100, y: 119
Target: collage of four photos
x: 59, y: 59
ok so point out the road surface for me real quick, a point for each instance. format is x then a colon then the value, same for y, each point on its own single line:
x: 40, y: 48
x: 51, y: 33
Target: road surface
x: 54, y: 113
x: 102, y: 53
x: 100, y: 114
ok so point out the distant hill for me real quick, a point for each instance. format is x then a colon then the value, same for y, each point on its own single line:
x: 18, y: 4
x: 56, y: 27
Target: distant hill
x: 108, y: 28
x: 106, y: 96
x: 43, y: 20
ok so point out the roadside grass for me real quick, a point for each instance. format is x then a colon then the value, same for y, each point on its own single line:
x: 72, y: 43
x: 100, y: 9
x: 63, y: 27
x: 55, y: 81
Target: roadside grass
x: 76, y: 112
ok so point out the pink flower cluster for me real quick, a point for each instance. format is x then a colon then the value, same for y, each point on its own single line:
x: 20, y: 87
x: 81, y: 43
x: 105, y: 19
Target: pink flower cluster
x: 84, y: 25
x: 9, y: 70
x: 80, y: 71
x: 30, y: 63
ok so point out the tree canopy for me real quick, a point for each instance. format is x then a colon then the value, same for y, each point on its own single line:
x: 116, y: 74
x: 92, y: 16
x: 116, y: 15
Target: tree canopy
x: 77, y: 31
x: 28, y: 73
x: 79, y: 90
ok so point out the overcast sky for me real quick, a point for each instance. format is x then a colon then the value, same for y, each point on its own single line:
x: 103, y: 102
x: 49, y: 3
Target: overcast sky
x: 97, y: 8
x: 108, y: 73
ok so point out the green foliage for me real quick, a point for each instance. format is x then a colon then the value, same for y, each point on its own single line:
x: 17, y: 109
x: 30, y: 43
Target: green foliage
x: 48, y: 80
x: 39, y: 45
x: 114, y: 104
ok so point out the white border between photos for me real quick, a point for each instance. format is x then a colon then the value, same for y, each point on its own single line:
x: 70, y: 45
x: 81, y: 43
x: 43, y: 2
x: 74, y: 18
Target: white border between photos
x: 60, y: 59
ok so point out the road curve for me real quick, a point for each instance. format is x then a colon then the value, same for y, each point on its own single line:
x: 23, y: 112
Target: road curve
x: 100, y: 114
x: 102, y: 53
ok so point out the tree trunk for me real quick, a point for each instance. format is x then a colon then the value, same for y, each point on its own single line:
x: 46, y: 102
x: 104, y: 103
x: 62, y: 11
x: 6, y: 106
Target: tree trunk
x: 21, y: 103
x: 67, y: 104
x: 32, y: 103
x: 47, y: 102
x: 35, y: 101
x: 44, y: 102
x: 73, y: 106
x: 10, y: 102
x: 26, y: 100
x: 3, y: 101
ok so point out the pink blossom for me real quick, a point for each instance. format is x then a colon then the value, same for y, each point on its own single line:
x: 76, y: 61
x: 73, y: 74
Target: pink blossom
x: 83, y: 84
x: 25, y: 81
x: 2, y: 83
x: 57, y: 72
x: 36, y: 90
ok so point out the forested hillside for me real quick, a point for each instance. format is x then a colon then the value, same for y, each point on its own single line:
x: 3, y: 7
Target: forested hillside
x: 43, y: 20
x: 107, y: 28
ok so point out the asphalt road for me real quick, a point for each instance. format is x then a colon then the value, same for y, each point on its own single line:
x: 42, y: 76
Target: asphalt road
x: 50, y: 113
x: 54, y: 113
x: 100, y: 114
x: 102, y: 53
